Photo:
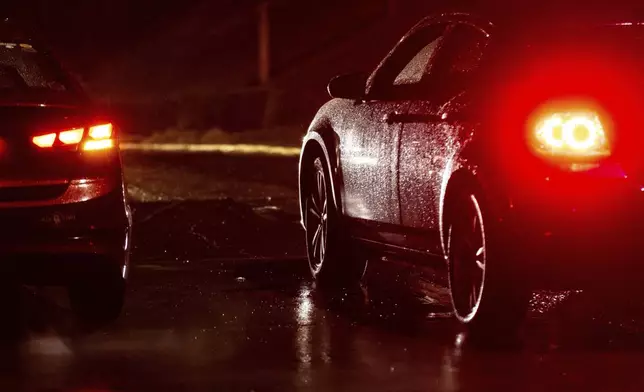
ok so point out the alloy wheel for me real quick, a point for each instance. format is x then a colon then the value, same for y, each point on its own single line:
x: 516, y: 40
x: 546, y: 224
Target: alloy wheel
x: 467, y: 259
x: 317, y: 221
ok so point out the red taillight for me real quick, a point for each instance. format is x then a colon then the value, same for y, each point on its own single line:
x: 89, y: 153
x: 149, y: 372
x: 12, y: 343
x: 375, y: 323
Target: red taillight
x: 73, y: 136
x: 44, y: 141
x: 93, y: 145
x: 98, y: 137
x: 100, y: 132
x: 574, y: 134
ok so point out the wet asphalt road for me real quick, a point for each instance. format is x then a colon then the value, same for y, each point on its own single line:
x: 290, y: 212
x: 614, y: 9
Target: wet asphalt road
x: 220, y: 300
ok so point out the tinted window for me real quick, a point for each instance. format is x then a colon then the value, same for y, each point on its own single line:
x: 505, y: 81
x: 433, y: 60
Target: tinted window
x: 463, y: 51
x: 418, y: 66
x: 408, y: 64
x: 27, y: 74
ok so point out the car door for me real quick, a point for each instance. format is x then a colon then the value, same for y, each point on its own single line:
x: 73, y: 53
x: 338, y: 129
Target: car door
x: 370, y: 146
x: 430, y: 135
x: 367, y: 158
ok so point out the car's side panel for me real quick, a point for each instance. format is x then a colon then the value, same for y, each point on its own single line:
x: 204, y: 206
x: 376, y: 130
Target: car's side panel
x: 369, y: 158
x: 433, y: 144
x: 428, y: 150
x: 435, y: 132
x: 421, y: 145
x: 461, y: 157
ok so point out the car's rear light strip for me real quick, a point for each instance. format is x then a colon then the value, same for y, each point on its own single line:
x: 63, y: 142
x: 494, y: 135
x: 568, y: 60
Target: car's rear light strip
x: 99, y: 137
x: 44, y: 141
x: 73, y: 136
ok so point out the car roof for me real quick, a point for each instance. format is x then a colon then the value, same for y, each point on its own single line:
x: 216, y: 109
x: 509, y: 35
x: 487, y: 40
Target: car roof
x: 510, y: 16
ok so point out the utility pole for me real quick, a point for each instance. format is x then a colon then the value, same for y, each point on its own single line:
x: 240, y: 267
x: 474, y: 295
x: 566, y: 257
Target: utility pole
x: 264, y: 47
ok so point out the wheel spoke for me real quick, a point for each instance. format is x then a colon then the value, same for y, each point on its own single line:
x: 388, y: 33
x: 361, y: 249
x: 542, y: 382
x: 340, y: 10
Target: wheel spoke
x: 316, y: 240
x: 480, y: 261
x: 473, y: 295
x: 314, y: 203
x: 321, y: 190
x: 322, y: 242
x: 480, y: 264
x: 480, y: 252
x: 315, y: 213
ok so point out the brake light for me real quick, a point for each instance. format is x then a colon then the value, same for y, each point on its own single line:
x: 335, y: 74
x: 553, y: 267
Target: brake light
x: 571, y: 134
x: 73, y: 136
x: 44, y: 141
x: 101, y: 131
x: 93, y: 145
x: 99, y: 137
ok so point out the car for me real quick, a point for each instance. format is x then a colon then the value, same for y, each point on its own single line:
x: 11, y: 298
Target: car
x: 63, y: 206
x: 505, y: 151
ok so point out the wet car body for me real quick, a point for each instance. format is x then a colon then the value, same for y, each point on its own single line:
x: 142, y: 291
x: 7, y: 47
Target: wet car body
x: 401, y: 142
x: 63, y: 206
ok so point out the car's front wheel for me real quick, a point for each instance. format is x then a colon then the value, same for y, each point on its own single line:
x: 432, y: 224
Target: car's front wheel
x: 487, y: 295
x: 98, y: 298
x: 332, y: 258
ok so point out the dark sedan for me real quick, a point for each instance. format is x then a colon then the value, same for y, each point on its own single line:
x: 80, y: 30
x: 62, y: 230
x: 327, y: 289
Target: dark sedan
x: 65, y: 219
x: 508, y: 150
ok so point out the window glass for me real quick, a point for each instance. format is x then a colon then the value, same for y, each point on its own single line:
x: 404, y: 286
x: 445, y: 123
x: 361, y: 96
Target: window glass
x: 30, y: 75
x: 23, y: 67
x: 417, y: 68
x: 465, y: 50
x: 407, y: 66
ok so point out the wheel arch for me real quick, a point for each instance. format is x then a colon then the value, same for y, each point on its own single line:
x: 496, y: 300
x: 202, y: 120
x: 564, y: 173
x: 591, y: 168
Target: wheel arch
x: 324, y: 143
x: 461, y: 179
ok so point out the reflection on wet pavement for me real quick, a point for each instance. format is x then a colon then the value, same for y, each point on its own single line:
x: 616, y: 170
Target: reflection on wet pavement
x: 220, y: 300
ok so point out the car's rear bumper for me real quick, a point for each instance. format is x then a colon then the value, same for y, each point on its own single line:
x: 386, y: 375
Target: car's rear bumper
x: 576, y: 229
x: 51, y: 243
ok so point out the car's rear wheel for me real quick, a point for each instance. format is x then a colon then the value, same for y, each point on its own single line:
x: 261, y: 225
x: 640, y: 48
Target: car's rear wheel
x: 486, y: 294
x: 332, y: 258
x: 98, y: 298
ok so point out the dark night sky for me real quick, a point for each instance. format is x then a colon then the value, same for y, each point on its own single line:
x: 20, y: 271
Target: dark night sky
x: 86, y: 26
x: 83, y: 29
x: 123, y: 40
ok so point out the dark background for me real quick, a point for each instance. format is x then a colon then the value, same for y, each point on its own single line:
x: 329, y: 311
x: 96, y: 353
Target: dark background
x: 192, y: 64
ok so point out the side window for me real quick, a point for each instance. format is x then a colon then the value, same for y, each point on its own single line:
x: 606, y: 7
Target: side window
x: 463, y: 51
x: 417, y: 68
x: 406, y: 68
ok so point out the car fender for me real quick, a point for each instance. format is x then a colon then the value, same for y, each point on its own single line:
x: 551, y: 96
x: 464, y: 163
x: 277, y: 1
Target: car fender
x: 462, y: 169
x: 323, y: 140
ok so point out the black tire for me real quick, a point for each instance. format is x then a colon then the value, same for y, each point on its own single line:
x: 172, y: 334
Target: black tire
x: 488, y: 294
x: 332, y: 258
x: 98, y: 299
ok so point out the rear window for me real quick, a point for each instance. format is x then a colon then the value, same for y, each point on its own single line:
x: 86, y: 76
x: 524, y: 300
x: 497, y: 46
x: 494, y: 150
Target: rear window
x: 27, y: 74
